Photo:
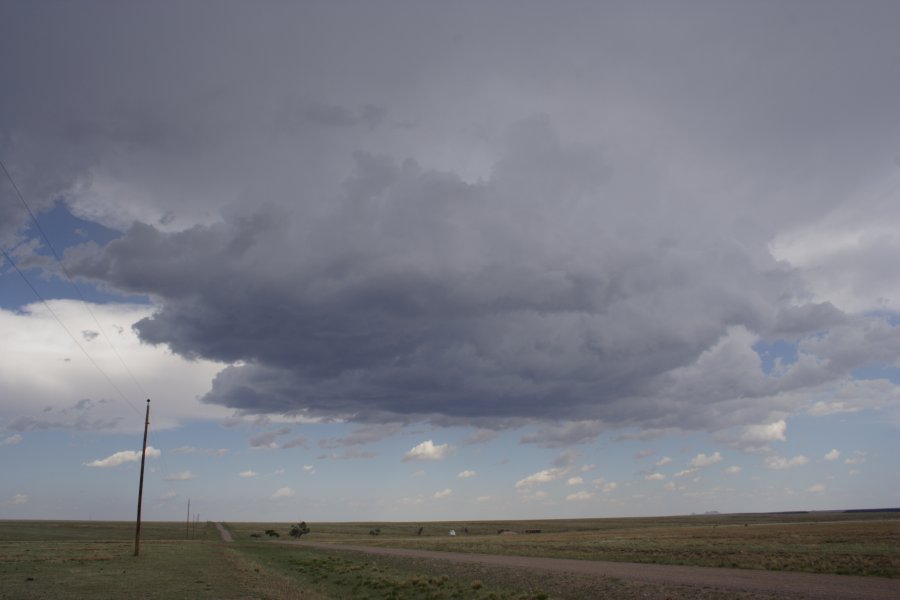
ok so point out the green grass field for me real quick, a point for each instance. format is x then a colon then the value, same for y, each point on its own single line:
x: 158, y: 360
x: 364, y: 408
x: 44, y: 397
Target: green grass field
x: 80, y: 560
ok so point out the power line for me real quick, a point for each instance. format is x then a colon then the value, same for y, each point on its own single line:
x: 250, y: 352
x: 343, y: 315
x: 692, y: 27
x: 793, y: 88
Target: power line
x: 66, y: 329
x: 71, y: 280
x: 84, y: 303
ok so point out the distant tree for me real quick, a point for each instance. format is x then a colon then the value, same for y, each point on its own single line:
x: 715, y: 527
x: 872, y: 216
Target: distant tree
x: 299, y: 529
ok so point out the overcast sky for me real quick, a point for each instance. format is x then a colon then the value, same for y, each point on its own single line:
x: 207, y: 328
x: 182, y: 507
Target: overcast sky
x: 384, y: 260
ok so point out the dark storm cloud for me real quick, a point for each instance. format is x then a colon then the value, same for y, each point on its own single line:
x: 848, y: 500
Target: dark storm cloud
x: 578, y: 230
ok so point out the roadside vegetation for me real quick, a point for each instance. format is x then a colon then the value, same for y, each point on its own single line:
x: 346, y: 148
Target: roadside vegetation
x: 81, y: 560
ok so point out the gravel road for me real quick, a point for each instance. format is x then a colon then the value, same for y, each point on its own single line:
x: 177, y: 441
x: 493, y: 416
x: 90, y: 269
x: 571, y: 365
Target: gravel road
x: 780, y: 584
x: 226, y: 535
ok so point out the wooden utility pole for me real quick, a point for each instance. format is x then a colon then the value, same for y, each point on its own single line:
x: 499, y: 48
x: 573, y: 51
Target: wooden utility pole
x: 137, y: 531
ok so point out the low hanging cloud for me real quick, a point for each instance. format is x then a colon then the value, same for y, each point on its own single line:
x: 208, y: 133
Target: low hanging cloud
x: 347, y: 267
x: 120, y: 458
x: 427, y: 450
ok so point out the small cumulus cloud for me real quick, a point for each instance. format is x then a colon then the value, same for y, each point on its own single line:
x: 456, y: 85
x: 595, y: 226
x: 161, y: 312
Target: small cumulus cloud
x: 283, y: 492
x: 701, y: 460
x: 579, y: 496
x: 654, y: 477
x: 545, y: 476
x: 817, y: 488
x: 733, y: 470
x: 11, y: 440
x: 248, y: 473
x: 427, y: 451
x: 484, y: 499
x: 168, y: 496
x: 18, y: 499
x: 575, y: 481
x: 857, y: 458
x: 605, y: 486
x: 770, y: 432
x: 122, y: 457
x: 309, y: 469
x: 685, y: 472
x: 443, y: 493
x: 466, y: 474
x: 663, y: 461
x: 780, y: 462
x: 182, y: 476
x: 832, y: 455
x: 267, y: 438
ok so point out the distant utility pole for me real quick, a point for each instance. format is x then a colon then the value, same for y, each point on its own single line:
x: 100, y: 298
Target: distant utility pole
x: 137, y: 531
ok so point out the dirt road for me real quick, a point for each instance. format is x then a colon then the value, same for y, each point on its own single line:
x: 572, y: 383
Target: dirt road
x: 780, y: 584
x: 226, y: 535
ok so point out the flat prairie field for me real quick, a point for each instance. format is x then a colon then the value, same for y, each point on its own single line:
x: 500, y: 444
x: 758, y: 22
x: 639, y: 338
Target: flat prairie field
x: 847, y: 543
x: 84, y: 560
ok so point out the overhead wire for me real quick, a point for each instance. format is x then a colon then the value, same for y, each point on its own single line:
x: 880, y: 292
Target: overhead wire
x: 84, y: 303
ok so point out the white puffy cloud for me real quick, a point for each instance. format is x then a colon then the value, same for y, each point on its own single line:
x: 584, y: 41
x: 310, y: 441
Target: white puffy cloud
x: 580, y: 496
x: 539, y: 478
x: 466, y: 474
x: 857, y: 458
x: 765, y: 433
x: 17, y: 499
x: 427, y: 450
x: 702, y: 460
x: 125, y: 456
x: 654, y: 477
x: 248, y: 473
x: 663, y: 461
x: 732, y: 470
x: 575, y: 481
x: 283, y: 492
x: 779, y: 462
x: 832, y: 455
x: 309, y: 469
x: 816, y: 488
x: 43, y: 367
x: 442, y: 493
x: 11, y: 440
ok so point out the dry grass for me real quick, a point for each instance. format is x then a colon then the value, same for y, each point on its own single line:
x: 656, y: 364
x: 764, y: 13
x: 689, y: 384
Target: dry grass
x: 842, y: 543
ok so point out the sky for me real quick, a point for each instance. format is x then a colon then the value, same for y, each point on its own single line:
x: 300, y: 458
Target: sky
x: 426, y: 261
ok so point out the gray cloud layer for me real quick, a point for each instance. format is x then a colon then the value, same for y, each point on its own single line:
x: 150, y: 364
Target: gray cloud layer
x: 476, y: 214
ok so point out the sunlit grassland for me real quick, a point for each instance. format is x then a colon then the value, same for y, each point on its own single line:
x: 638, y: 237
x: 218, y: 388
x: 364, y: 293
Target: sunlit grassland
x: 822, y: 542
x: 71, y: 560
